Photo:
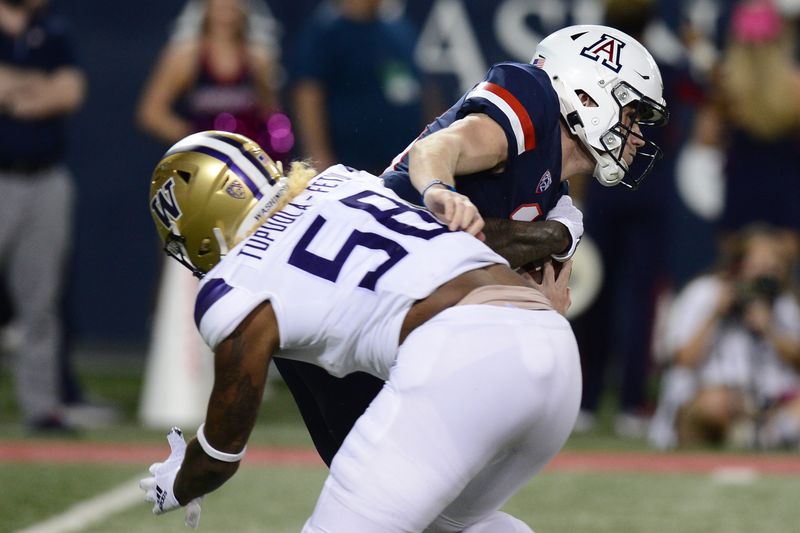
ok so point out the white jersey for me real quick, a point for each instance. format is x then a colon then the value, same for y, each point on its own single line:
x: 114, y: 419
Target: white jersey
x: 341, y: 265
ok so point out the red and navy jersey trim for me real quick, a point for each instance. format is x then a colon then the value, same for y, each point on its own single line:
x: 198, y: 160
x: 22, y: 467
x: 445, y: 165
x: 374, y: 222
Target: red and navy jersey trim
x: 515, y: 112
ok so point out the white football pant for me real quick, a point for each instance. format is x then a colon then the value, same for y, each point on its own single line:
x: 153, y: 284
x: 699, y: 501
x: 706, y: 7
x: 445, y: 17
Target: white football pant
x: 480, y: 398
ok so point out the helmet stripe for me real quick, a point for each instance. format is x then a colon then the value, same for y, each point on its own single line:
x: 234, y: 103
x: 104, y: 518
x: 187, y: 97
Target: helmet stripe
x: 255, y: 174
x: 254, y: 189
x: 238, y: 145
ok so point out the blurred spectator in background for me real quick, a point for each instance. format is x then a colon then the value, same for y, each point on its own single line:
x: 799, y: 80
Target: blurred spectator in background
x: 756, y: 119
x: 40, y: 84
x: 631, y: 232
x: 218, y: 72
x: 734, y: 338
x: 356, y: 89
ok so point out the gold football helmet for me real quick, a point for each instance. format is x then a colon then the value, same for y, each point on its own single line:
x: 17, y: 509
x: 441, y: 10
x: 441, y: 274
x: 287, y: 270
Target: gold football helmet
x: 208, y: 192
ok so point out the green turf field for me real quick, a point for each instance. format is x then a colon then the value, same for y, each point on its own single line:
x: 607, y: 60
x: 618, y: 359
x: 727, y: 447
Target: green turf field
x: 270, y: 498
x: 278, y: 499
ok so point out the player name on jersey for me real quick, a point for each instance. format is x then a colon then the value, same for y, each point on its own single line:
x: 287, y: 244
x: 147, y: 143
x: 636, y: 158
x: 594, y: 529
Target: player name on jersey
x: 261, y: 239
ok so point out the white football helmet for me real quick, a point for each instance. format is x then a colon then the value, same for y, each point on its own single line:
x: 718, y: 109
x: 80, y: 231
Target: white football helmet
x: 208, y: 192
x: 615, y: 71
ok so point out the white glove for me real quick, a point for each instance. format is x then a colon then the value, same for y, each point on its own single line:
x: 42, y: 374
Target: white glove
x: 158, y: 489
x: 572, y: 218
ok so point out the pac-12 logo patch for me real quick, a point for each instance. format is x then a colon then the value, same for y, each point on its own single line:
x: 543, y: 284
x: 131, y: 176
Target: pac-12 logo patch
x: 164, y: 205
x: 235, y: 190
x: 544, y: 182
x: 607, y: 50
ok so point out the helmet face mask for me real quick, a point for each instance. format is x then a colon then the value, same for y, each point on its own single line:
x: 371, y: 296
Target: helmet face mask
x: 614, y: 72
x: 208, y: 192
x: 175, y: 247
x: 642, y: 112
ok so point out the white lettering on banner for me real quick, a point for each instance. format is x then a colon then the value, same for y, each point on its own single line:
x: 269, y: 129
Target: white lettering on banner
x: 448, y: 45
x: 704, y: 15
x: 512, y: 31
x: 588, y: 12
x: 519, y: 40
x: 552, y: 14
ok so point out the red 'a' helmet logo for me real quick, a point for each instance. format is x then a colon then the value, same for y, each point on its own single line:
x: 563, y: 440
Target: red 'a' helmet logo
x: 606, y: 50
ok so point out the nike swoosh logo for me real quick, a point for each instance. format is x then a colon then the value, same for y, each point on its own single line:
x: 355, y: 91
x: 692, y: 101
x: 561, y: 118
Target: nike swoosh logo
x: 642, y: 75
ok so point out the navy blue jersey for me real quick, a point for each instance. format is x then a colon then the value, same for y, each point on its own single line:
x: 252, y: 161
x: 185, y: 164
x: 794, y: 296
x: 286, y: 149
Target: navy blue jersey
x: 521, y: 99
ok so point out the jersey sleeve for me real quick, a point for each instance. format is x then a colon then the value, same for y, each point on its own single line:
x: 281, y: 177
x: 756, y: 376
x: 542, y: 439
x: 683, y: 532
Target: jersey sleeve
x: 220, y: 308
x: 516, y: 99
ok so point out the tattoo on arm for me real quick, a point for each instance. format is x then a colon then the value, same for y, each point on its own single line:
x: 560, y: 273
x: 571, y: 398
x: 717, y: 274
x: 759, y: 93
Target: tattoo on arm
x: 240, y: 367
x: 240, y: 374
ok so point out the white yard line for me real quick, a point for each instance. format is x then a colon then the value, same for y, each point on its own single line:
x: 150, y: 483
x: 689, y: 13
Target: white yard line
x: 734, y: 475
x: 89, y: 512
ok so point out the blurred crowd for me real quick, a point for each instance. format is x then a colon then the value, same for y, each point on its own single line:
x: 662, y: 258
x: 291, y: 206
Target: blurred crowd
x: 690, y: 341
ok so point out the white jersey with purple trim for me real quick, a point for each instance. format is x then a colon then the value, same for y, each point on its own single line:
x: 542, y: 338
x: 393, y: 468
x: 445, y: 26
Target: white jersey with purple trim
x: 341, y: 265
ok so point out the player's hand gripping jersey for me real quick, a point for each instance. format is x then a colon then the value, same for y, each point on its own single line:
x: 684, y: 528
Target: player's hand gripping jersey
x: 339, y: 265
x: 521, y: 99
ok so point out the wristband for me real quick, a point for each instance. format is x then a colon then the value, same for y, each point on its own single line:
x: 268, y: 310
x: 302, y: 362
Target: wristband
x: 431, y: 184
x: 216, y: 454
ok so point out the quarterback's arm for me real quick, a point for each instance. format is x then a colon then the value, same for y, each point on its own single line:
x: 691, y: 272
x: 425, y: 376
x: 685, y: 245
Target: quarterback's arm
x: 523, y: 242
x: 471, y: 144
x: 240, y: 372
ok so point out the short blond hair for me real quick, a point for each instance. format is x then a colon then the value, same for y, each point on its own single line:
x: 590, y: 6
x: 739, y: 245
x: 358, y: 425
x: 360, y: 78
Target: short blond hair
x: 300, y: 173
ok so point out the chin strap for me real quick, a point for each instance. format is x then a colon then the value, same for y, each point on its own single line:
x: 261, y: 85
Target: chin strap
x: 608, y: 173
x: 223, y: 246
x: 175, y: 247
x: 606, y: 170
